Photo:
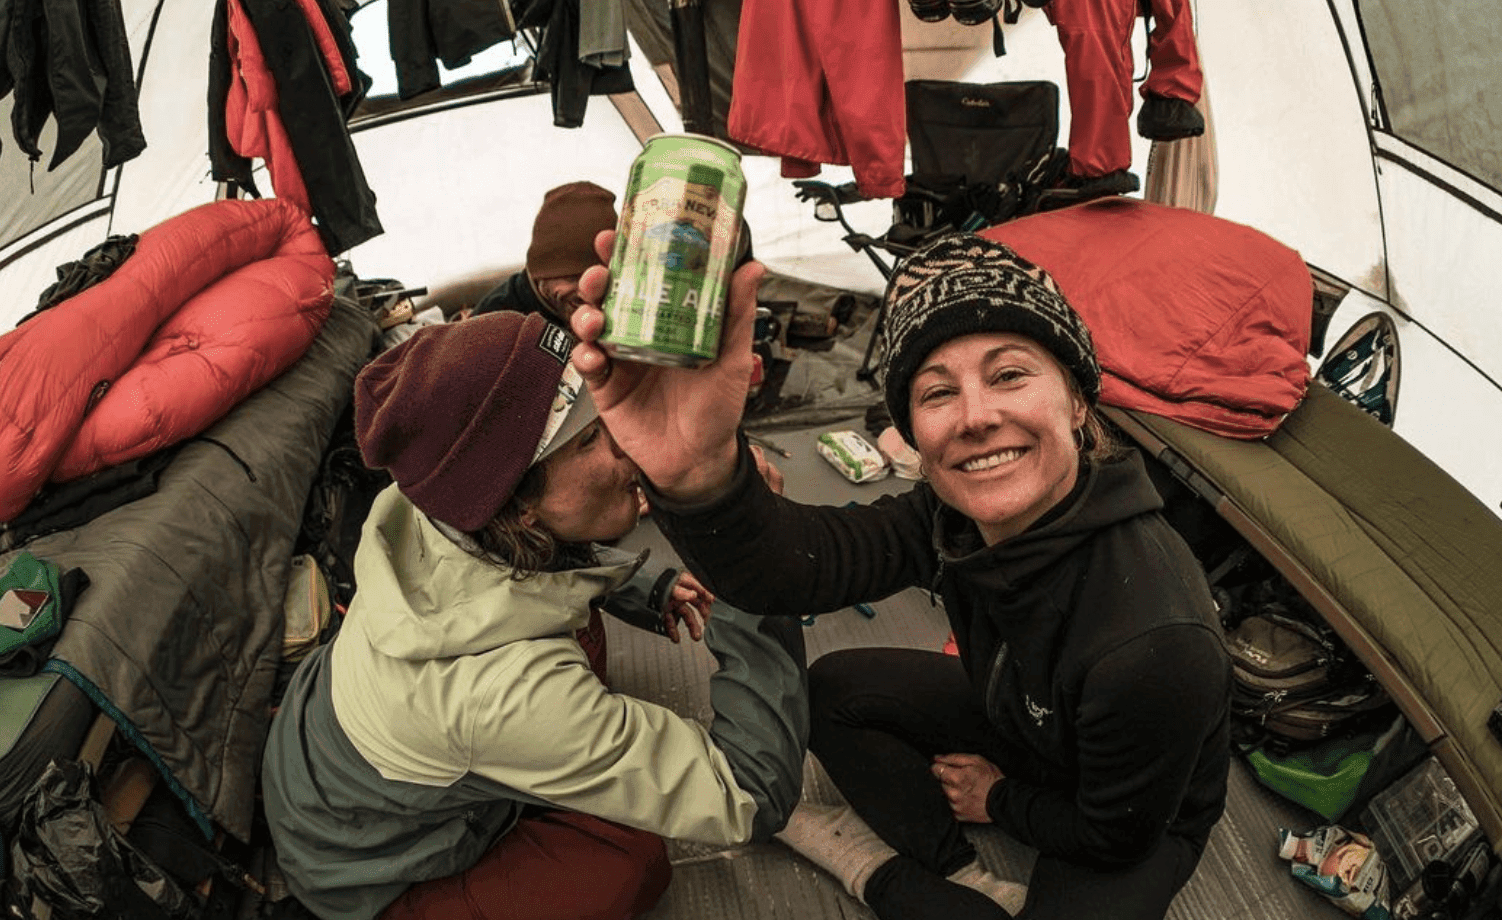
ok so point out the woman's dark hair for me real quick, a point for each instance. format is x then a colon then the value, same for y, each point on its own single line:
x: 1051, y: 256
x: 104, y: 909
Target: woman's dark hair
x: 528, y: 548
x: 1098, y: 444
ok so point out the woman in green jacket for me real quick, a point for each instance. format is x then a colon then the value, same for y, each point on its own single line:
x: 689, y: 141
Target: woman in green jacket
x: 452, y: 753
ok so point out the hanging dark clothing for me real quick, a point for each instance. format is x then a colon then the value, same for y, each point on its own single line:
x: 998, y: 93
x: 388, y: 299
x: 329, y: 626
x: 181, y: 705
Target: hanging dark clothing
x: 424, y: 32
x: 342, y: 203
x: 70, y: 59
x: 120, y: 119
x: 75, y: 76
x: 336, y: 14
x: 572, y: 80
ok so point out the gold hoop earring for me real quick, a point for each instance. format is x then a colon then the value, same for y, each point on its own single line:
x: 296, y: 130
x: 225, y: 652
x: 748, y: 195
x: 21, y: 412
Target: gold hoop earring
x: 1079, y: 439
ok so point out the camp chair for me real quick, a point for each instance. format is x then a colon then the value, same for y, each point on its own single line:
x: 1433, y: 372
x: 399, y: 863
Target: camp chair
x: 980, y: 155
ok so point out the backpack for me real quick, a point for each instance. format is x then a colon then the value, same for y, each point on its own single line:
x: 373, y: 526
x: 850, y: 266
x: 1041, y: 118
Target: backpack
x: 1295, y: 683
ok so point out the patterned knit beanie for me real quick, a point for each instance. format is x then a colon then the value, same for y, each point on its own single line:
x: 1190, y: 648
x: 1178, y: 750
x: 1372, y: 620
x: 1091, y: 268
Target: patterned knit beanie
x: 563, y: 235
x: 960, y: 284
x: 459, y: 411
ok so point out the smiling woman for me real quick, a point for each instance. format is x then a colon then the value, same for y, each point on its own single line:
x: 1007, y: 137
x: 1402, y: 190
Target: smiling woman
x: 995, y: 419
x: 1086, y: 714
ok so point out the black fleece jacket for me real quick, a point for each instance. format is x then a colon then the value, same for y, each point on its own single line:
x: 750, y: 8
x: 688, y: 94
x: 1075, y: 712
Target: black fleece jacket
x: 1091, y: 640
x: 515, y: 293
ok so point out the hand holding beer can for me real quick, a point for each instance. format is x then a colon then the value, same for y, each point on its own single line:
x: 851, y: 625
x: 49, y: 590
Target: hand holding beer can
x: 677, y: 242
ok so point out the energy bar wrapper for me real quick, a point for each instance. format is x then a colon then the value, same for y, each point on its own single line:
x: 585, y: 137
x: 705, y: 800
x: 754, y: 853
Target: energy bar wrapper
x: 1342, y: 865
x: 855, y: 457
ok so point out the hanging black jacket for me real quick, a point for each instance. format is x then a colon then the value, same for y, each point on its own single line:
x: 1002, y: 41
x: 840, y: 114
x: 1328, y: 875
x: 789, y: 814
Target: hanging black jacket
x: 343, y: 203
x: 572, y: 81
x: 71, y: 59
x: 26, y: 61
x: 424, y: 32
x: 1091, y: 640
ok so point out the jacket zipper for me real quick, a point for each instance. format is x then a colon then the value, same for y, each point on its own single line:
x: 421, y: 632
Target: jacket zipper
x: 934, y: 592
x: 993, y: 682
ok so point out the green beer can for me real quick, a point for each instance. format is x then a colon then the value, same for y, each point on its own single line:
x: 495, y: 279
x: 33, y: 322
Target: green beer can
x: 675, y: 247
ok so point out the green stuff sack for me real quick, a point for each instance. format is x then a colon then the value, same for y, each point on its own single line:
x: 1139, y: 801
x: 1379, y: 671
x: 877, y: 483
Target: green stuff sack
x: 1323, y: 779
x: 1339, y: 774
x: 29, y: 593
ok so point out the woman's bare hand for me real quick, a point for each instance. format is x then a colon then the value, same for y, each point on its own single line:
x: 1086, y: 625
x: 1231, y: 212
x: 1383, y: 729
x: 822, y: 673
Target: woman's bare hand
x: 677, y: 424
x: 966, y: 780
x: 690, y: 602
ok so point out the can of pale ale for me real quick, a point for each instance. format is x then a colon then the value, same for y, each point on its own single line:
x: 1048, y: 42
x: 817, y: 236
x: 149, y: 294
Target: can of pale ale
x: 675, y: 248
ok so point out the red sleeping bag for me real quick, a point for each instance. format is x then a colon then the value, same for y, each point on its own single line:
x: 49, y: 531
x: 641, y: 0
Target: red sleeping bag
x: 211, y: 305
x: 1195, y: 318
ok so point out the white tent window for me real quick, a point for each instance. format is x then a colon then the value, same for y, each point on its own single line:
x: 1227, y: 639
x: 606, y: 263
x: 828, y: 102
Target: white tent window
x: 1435, y: 66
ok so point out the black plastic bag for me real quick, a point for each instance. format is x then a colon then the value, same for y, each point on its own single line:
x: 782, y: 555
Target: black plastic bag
x: 67, y: 854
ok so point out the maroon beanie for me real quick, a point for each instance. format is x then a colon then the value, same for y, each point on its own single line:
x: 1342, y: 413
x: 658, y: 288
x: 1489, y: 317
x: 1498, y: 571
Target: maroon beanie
x: 455, y: 413
x: 563, y: 236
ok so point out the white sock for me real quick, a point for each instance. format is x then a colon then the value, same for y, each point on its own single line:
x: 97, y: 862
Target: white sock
x: 836, y: 839
x: 1010, y: 896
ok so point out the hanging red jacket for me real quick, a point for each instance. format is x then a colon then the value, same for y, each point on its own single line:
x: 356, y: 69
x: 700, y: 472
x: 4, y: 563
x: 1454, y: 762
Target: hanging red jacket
x: 1194, y: 317
x: 251, y: 120
x: 1096, y: 36
x: 275, y: 69
x: 820, y: 81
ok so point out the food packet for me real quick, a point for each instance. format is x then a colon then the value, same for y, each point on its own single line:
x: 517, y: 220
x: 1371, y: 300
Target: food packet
x: 1342, y: 865
x: 905, y: 461
x: 852, y: 455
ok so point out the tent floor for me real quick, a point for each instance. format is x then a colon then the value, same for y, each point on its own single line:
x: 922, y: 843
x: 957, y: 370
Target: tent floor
x: 1239, y: 878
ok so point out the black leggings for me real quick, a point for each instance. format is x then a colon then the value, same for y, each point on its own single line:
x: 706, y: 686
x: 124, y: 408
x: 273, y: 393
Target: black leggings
x: 880, y: 715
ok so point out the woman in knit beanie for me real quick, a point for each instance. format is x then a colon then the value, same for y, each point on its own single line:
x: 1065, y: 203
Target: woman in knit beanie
x: 454, y: 751
x: 1087, y: 711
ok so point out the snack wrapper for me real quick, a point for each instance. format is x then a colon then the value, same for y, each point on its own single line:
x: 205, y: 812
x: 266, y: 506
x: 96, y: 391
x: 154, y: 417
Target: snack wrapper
x: 1342, y: 865
x: 852, y: 455
x: 905, y: 461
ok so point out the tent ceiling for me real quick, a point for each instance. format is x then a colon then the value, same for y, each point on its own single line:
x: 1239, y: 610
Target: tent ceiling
x: 1303, y: 153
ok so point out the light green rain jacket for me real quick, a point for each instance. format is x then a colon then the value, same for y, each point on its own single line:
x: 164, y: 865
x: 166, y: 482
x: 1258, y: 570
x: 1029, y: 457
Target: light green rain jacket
x: 454, y: 694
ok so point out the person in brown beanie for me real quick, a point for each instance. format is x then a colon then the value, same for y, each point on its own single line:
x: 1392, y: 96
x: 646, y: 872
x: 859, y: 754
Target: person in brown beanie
x: 454, y: 752
x: 1087, y: 711
x: 562, y: 247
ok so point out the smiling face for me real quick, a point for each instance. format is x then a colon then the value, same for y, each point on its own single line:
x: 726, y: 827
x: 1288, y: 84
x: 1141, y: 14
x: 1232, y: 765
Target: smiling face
x: 993, y: 420
x: 591, y: 493
x: 561, y: 295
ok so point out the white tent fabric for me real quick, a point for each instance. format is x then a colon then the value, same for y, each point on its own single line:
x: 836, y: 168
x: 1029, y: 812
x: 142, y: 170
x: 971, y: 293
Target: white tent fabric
x: 1295, y: 160
x: 1393, y: 193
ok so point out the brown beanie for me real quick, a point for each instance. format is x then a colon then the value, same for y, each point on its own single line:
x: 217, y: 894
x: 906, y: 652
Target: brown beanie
x: 456, y: 412
x: 563, y: 235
